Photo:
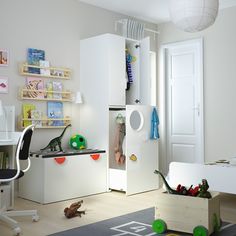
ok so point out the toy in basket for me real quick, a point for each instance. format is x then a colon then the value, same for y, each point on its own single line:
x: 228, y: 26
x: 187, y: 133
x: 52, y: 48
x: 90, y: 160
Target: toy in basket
x: 196, y: 212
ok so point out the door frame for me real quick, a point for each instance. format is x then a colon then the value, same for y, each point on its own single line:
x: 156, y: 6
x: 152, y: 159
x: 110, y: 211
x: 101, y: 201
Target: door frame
x: 162, y: 91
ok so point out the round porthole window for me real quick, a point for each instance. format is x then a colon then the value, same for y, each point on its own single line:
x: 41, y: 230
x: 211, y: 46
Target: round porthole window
x: 136, y: 120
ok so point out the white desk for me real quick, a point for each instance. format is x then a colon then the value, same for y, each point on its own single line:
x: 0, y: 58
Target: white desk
x: 220, y: 177
x: 9, y: 147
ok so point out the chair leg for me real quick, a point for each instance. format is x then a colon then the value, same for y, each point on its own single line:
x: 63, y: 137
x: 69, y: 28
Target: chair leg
x: 13, y: 224
x: 21, y: 213
x: 5, y: 217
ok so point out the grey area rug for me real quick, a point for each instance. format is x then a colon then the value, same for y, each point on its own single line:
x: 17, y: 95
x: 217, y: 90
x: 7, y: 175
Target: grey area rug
x: 136, y: 223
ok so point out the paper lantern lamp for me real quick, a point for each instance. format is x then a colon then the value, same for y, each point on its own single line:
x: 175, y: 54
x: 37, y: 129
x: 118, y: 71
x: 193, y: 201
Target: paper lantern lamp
x: 77, y: 142
x: 193, y: 15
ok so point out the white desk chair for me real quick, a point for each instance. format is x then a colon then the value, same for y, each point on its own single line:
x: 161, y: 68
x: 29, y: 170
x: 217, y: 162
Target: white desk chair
x: 8, y: 175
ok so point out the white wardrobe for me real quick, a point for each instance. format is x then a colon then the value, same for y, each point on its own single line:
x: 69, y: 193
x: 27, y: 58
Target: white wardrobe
x: 103, y: 84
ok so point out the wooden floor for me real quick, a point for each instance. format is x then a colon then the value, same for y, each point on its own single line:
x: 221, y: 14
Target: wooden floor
x: 98, y: 207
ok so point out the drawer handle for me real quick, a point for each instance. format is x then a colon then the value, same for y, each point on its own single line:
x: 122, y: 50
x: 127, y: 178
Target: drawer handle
x: 60, y: 160
x: 95, y: 157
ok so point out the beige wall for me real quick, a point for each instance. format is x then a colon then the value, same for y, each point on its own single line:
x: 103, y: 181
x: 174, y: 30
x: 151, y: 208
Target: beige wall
x: 219, y: 81
x: 55, y: 26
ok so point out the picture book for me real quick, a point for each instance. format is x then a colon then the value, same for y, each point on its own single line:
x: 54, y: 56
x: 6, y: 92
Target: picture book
x: 4, y: 160
x: 35, y: 84
x: 33, y: 58
x: 57, y: 73
x: 1, y: 159
x: 44, y: 71
x: 57, y: 87
x: 49, y: 88
x: 27, y: 113
x: 55, y: 111
x: 37, y: 116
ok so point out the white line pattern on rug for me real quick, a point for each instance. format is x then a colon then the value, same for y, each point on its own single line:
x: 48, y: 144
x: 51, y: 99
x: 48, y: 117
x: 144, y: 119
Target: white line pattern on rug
x: 134, y: 228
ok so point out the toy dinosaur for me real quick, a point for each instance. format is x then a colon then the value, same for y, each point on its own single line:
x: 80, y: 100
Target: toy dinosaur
x: 199, y: 191
x: 203, y: 190
x: 168, y: 188
x: 52, y: 145
x: 72, y: 211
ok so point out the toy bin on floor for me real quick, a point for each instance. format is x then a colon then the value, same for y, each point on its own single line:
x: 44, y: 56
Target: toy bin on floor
x: 195, y: 215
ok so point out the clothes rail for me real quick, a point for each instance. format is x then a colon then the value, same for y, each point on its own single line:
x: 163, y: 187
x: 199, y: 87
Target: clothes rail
x: 122, y: 21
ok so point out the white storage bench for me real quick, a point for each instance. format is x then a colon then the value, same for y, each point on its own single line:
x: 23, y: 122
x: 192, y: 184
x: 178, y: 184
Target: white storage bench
x: 219, y: 176
x: 64, y: 176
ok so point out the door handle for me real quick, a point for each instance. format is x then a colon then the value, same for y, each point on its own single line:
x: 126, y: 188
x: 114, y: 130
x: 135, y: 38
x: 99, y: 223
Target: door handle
x: 197, y: 108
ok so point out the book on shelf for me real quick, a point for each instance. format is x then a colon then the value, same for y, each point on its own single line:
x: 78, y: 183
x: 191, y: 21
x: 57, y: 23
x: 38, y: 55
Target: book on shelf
x: 4, y: 160
x: 55, y: 111
x: 49, y: 88
x: 57, y: 73
x: 33, y: 57
x: 37, y: 116
x: 27, y: 113
x: 57, y: 87
x: 1, y: 159
x: 44, y: 71
x: 35, y: 84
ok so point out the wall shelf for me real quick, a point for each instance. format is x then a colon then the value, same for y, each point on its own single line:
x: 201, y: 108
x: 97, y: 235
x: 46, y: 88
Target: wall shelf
x: 27, y: 94
x: 39, y: 90
x: 44, y: 123
x: 55, y: 72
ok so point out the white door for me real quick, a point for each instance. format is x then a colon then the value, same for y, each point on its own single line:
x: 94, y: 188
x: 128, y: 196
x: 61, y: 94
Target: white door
x: 116, y: 69
x: 137, y: 92
x: 141, y: 151
x: 184, y: 100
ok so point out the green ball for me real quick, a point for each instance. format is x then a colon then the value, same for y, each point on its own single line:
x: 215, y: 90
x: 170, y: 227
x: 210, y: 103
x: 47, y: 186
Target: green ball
x: 77, y: 142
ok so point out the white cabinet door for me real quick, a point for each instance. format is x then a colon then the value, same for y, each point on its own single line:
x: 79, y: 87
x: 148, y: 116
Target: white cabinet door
x: 116, y: 70
x: 141, y: 151
x: 145, y: 75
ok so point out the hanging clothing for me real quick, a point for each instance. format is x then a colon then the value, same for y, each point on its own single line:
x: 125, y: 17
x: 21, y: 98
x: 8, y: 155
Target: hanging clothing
x: 129, y: 70
x: 119, y: 138
x: 154, y: 125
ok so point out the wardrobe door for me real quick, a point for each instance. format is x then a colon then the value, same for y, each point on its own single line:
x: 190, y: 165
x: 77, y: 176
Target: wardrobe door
x: 133, y: 74
x: 116, y: 70
x: 145, y: 75
x: 94, y: 79
x: 141, y: 151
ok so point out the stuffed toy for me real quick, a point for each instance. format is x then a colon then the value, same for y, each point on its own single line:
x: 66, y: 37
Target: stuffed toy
x: 72, y: 211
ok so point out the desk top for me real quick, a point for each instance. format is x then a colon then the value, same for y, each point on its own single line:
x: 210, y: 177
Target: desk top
x: 69, y: 152
x: 12, y: 139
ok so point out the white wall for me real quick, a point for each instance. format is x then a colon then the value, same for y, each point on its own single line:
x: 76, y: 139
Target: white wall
x: 219, y: 81
x: 55, y: 26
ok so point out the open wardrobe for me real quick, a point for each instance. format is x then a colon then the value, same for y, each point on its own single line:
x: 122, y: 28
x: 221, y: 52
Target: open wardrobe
x: 116, y: 114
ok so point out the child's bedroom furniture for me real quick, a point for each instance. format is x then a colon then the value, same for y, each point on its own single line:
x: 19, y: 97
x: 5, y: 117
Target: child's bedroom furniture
x: 109, y: 94
x: 219, y: 176
x: 9, y: 175
x: 8, y: 142
x: 194, y: 215
x: 60, y: 176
